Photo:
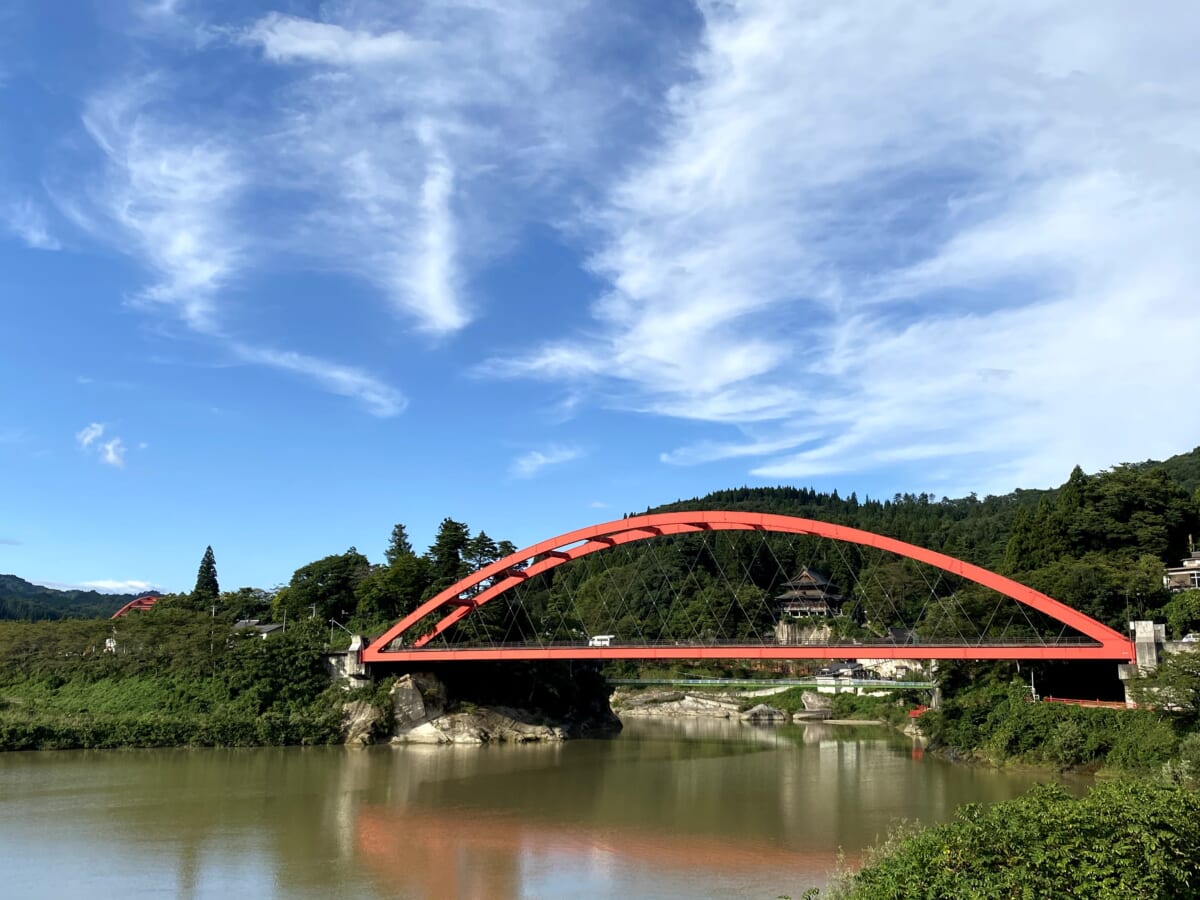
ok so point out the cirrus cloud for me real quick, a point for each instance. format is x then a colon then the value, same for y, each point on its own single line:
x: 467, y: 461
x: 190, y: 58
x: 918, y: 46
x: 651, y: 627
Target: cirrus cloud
x: 531, y: 463
x: 858, y: 215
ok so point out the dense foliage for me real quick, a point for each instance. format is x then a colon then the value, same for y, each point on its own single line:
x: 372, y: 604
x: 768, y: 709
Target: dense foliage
x: 1098, y: 543
x: 164, y: 677
x: 1174, y: 686
x: 1001, y: 722
x: 1122, y: 840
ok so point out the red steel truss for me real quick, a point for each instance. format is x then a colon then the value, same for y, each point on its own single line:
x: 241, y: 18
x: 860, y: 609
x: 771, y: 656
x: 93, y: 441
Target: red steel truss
x: 140, y: 603
x: 457, y: 601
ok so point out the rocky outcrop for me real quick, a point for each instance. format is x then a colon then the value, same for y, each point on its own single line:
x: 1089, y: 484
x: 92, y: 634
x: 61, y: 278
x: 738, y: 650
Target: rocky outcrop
x: 420, y: 716
x: 765, y: 715
x: 675, y: 704
x: 416, y: 699
x: 814, y: 701
x: 478, y: 726
x: 360, y: 720
x: 467, y: 704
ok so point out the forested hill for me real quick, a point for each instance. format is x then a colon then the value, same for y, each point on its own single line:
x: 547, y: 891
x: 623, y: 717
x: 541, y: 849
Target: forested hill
x: 1124, y: 505
x: 1184, y: 469
x: 969, y: 528
x: 19, y: 599
x: 1098, y: 542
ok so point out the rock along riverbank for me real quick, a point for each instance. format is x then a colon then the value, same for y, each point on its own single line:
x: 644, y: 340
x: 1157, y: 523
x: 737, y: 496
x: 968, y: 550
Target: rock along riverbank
x: 420, y: 710
x: 685, y: 704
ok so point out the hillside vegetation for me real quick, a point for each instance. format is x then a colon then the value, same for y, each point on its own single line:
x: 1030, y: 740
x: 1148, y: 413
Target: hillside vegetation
x: 20, y: 599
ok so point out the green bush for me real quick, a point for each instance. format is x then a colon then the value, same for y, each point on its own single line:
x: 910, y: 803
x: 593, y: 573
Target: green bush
x: 892, y: 708
x: 1123, y: 840
x: 1005, y: 724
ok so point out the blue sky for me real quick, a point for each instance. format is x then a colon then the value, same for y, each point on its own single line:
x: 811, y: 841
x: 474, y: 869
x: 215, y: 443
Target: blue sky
x: 275, y: 276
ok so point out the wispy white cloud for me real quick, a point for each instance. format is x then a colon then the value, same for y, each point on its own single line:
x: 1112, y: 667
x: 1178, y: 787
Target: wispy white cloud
x: 292, y: 39
x: 428, y: 134
x: 110, y: 452
x: 403, y: 145
x: 172, y: 191
x: 959, y: 235
x: 377, y: 397
x: 27, y: 220
x: 531, y: 463
x: 103, y: 585
x: 89, y: 435
x: 174, y: 194
x: 710, y: 451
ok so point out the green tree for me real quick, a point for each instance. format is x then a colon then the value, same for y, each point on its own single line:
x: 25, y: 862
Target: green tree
x: 245, y: 603
x: 1173, y: 686
x: 207, y: 589
x: 325, y: 588
x: 399, y: 547
x: 480, y: 551
x: 445, y: 555
x: 390, y: 592
x: 1182, y: 612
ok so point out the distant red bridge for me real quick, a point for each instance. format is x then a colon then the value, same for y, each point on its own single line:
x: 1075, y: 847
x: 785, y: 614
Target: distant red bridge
x: 140, y: 603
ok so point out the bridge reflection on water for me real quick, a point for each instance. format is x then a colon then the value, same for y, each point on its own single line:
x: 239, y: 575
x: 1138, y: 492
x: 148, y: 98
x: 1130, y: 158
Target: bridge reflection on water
x: 671, y: 808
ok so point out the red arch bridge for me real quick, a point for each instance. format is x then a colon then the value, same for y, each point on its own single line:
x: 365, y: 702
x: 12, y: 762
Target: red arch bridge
x: 487, y: 615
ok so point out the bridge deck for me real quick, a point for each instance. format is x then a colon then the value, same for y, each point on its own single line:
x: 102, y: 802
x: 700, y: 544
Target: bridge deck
x: 1061, y: 650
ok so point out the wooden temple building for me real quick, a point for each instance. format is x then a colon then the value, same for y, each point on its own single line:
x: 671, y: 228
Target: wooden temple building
x: 810, y: 594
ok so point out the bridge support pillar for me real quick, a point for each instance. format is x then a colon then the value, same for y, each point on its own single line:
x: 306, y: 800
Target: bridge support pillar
x: 347, y: 667
x: 1148, y: 641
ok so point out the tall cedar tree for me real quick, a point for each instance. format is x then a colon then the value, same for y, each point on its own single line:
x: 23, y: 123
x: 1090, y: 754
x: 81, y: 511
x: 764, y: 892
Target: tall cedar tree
x: 399, y: 547
x: 207, y: 588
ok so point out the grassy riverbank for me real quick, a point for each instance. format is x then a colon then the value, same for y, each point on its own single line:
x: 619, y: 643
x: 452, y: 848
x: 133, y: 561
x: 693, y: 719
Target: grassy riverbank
x: 166, y: 677
x: 999, y: 723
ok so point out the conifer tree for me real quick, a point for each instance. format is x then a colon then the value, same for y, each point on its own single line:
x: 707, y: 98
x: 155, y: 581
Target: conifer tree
x: 207, y: 589
x: 399, y: 547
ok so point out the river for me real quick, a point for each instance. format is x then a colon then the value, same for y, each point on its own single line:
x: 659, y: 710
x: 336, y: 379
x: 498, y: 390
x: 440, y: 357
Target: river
x: 671, y: 808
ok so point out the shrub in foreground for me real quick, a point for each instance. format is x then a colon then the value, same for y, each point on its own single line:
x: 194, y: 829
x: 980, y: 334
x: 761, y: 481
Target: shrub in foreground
x: 1122, y: 840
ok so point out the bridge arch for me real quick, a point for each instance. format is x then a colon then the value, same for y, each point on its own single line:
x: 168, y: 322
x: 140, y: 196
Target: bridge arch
x: 462, y: 598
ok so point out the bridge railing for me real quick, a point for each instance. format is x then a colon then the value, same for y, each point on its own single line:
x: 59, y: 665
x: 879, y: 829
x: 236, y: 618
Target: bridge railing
x: 864, y: 644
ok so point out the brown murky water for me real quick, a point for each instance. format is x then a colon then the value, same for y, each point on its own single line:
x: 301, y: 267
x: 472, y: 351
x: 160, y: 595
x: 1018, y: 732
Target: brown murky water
x: 686, y: 808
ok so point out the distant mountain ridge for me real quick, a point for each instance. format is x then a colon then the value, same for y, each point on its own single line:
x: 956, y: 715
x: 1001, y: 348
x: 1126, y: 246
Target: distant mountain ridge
x: 21, y: 599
